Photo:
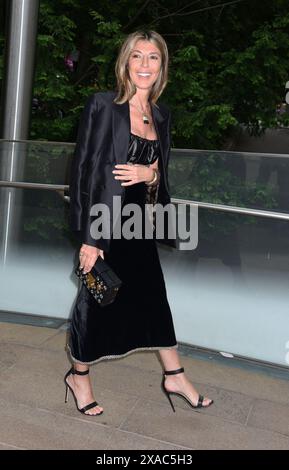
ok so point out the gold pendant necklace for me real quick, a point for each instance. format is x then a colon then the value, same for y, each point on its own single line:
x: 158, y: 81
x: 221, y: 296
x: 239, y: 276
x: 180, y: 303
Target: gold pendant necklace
x: 144, y: 115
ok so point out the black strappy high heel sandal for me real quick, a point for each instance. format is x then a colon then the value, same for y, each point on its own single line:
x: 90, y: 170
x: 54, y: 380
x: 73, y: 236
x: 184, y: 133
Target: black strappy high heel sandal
x: 68, y: 387
x: 184, y: 397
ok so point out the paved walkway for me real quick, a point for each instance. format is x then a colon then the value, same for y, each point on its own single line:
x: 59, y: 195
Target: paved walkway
x: 251, y: 410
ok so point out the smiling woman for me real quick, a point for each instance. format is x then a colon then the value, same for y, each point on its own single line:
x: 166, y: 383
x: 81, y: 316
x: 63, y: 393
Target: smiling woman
x: 144, y: 64
x: 142, y: 53
x: 144, y: 67
x: 130, y: 130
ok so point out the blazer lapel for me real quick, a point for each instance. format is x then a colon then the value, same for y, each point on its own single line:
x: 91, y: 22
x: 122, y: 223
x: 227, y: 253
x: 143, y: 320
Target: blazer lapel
x: 121, y: 127
x: 120, y: 131
x: 159, y: 121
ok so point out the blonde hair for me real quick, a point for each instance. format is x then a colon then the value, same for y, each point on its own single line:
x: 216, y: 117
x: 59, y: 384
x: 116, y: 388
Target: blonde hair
x: 125, y: 87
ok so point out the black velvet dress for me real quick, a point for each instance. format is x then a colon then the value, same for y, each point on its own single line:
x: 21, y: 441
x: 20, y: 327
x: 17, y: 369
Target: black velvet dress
x: 140, y: 317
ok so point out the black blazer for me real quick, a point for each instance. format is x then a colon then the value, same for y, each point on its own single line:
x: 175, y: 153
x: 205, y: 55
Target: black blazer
x: 102, y: 142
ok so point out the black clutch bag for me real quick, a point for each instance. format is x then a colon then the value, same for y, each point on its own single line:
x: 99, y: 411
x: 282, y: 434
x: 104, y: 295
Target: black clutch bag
x: 101, y: 282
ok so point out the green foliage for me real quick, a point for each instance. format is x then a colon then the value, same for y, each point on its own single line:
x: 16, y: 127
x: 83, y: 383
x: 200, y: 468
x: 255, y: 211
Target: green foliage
x: 61, y: 91
x: 228, y: 65
x: 218, y: 178
x: 235, y: 73
x: 260, y: 72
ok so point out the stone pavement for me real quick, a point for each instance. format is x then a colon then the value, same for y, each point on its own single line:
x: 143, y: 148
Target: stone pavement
x: 251, y: 409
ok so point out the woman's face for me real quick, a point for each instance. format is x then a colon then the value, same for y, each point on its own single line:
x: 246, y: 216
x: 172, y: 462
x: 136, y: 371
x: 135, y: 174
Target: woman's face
x: 144, y: 64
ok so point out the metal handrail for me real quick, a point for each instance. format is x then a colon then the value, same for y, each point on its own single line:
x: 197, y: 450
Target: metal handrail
x: 203, y: 205
x: 22, y: 184
x: 233, y: 153
x: 234, y: 209
x: 48, y: 142
x: 173, y: 149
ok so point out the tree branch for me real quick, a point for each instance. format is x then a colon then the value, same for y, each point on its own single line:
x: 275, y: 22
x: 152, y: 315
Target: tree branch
x: 137, y: 15
x: 197, y: 11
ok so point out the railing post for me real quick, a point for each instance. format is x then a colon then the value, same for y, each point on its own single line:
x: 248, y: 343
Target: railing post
x: 19, y: 60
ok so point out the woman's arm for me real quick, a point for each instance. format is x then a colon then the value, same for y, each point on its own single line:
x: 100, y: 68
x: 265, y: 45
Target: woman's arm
x: 136, y: 173
x: 80, y: 160
x: 88, y: 252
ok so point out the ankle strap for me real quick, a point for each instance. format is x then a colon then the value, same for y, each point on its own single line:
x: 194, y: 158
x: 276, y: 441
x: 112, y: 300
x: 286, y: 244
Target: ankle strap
x: 79, y: 372
x: 174, y: 372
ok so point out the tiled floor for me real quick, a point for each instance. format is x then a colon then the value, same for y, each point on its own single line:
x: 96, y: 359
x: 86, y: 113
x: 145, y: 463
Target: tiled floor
x: 251, y: 409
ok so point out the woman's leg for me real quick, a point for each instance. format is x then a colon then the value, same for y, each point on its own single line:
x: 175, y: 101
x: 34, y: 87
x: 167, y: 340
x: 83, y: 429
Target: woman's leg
x: 179, y: 382
x: 81, y: 386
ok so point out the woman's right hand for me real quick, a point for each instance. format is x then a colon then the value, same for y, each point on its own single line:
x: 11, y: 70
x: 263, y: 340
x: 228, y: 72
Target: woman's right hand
x: 87, y: 257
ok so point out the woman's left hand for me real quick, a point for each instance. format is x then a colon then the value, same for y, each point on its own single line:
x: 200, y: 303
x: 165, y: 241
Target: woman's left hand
x: 133, y: 173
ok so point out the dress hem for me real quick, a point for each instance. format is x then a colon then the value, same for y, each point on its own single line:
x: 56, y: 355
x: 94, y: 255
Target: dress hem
x: 119, y: 356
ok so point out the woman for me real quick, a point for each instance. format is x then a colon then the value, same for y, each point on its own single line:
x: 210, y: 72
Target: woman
x: 122, y: 150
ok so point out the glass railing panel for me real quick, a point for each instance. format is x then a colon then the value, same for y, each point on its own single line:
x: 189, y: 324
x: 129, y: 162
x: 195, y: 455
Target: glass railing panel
x: 37, y: 253
x: 230, y: 294
x: 38, y: 162
x: 256, y: 181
